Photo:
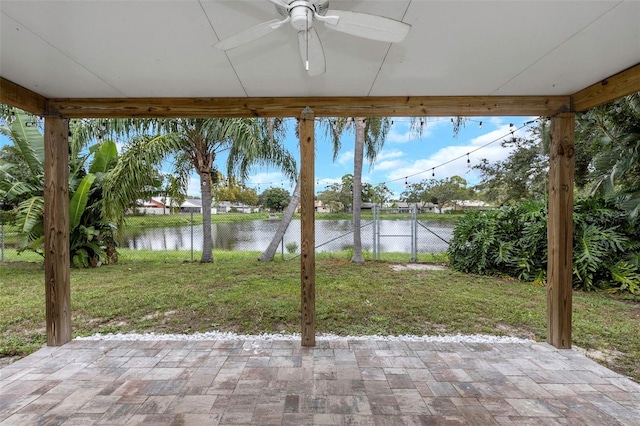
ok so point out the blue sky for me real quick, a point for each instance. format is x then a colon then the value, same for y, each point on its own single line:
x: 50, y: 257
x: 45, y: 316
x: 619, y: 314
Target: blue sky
x: 404, y: 155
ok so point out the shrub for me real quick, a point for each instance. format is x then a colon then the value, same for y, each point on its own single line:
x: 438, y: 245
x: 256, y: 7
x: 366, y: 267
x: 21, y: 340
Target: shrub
x: 513, y: 241
x: 291, y: 247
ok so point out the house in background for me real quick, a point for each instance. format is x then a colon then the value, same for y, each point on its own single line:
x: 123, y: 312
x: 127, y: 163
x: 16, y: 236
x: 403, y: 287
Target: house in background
x: 404, y: 207
x: 319, y: 207
x: 165, y: 205
x: 459, y: 205
x: 229, y: 207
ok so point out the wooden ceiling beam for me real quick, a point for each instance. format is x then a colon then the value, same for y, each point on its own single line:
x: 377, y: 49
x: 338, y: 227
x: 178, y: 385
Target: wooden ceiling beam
x: 607, y: 90
x: 397, y: 106
x: 19, y: 97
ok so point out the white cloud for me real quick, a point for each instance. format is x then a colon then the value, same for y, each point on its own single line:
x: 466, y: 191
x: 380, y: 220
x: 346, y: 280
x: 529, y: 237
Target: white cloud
x: 388, y: 165
x: 396, y: 136
x: 345, y: 158
x: 388, y: 155
x: 321, y: 184
x: 452, y: 160
x: 266, y: 179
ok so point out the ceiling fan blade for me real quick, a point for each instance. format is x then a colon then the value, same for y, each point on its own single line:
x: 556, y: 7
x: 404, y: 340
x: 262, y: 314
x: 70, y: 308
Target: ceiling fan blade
x: 248, y: 35
x: 373, y: 27
x: 281, y: 3
x: 311, y: 52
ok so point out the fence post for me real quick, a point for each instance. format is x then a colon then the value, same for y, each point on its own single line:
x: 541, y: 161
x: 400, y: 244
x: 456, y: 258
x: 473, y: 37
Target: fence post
x: 414, y: 233
x: 2, y: 243
x: 282, y: 248
x: 192, y: 236
x: 377, y: 231
x: 373, y: 232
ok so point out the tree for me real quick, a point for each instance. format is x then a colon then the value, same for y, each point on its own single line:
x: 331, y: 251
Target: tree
x: 333, y: 131
x: 234, y: 191
x: 380, y: 194
x: 287, y: 215
x: 370, y: 134
x: 275, y: 199
x: 436, y: 191
x: 338, y: 196
x: 610, y: 135
x: 417, y: 193
x: 197, y: 142
x: 447, y: 190
x: 522, y: 176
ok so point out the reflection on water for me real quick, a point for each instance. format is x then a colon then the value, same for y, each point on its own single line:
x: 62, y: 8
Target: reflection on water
x: 331, y: 235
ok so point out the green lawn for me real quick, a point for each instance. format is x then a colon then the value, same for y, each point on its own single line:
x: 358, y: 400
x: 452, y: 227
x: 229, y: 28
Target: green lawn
x: 239, y: 294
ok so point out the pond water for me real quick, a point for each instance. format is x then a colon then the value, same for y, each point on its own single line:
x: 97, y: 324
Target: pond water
x: 331, y: 235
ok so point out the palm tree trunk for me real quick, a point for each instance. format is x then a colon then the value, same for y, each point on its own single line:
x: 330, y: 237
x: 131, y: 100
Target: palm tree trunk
x: 207, y: 242
x: 267, y: 255
x: 358, y: 158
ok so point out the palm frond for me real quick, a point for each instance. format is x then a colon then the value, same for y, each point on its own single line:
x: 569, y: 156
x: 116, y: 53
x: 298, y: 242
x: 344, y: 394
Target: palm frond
x: 28, y: 140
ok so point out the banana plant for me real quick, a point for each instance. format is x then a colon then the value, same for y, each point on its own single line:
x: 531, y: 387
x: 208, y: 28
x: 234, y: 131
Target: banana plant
x: 21, y: 184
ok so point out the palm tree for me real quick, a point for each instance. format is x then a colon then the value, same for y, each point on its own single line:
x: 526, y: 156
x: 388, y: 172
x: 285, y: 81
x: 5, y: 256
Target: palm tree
x: 196, y: 143
x: 370, y: 134
x: 333, y: 129
x: 611, y: 133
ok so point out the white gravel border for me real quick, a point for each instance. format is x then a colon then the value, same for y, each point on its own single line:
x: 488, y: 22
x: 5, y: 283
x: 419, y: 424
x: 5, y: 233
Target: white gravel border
x: 217, y: 335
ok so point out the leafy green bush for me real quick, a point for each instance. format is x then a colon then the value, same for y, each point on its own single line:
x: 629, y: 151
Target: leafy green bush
x: 292, y: 247
x: 513, y: 241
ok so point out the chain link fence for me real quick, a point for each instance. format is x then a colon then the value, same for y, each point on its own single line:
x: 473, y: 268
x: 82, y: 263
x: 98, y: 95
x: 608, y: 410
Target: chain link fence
x: 386, y: 234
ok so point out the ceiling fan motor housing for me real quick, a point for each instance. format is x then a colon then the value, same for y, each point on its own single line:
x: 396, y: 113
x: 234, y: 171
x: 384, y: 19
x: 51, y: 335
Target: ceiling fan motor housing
x: 302, y: 11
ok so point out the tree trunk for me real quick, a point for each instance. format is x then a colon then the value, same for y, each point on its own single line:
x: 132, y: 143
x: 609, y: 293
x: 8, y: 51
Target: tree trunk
x: 267, y: 255
x: 207, y: 242
x: 358, y: 158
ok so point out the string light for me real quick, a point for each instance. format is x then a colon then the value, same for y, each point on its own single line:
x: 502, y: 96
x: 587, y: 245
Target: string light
x: 433, y: 172
x: 526, y: 124
x: 406, y: 178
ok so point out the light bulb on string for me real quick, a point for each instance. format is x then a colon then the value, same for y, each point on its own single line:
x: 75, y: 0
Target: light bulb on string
x: 433, y: 172
x: 406, y: 182
x: 468, y: 159
x: 480, y: 125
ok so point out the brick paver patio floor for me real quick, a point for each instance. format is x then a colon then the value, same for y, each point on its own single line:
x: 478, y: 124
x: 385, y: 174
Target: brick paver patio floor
x: 360, y: 382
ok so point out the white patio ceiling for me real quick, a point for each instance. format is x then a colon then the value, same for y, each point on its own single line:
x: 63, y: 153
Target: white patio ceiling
x: 128, y: 49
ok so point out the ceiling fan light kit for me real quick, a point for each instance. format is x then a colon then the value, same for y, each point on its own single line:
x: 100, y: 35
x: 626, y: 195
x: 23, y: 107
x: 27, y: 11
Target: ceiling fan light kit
x: 301, y: 14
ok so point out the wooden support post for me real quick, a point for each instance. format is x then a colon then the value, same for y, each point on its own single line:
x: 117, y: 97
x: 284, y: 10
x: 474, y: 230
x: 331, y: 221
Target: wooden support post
x: 560, y: 231
x: 56, y: 231
x: 307, y: 214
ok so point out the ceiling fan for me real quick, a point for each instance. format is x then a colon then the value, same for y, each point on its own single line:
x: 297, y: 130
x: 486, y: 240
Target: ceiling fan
x: 302, y: 14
